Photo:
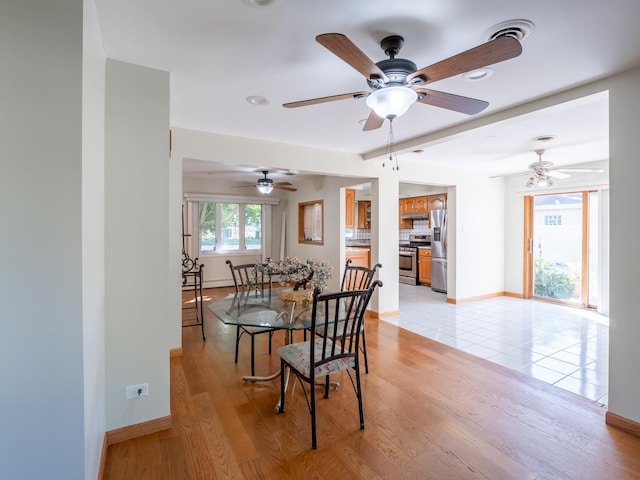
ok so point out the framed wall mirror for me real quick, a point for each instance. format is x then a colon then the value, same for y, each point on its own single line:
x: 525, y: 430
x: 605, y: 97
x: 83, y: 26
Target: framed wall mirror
x: 311, y: 222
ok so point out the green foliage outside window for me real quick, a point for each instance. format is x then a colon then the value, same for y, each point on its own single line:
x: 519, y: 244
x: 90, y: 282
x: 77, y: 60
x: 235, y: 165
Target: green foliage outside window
x: 552, y: 280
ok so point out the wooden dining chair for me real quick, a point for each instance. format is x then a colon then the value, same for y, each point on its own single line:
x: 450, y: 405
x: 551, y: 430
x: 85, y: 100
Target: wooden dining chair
x: 343, y: 314
x: 247, y: 278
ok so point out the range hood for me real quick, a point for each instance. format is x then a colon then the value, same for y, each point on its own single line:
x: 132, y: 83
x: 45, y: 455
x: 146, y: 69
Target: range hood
x: 415, y: 216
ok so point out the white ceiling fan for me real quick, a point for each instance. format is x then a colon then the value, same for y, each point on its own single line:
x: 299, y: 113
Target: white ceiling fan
x: 542, y: 172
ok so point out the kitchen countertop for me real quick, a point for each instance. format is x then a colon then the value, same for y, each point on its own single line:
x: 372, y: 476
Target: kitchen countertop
x: 352, y: 248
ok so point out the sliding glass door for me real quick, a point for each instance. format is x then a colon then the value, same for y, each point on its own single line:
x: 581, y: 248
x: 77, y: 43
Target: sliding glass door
x: 563, y: 247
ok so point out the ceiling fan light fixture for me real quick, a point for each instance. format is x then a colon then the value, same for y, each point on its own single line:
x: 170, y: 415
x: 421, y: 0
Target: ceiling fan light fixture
x: 391, y: 102
x: 265, y: 187
x: 544, y: 181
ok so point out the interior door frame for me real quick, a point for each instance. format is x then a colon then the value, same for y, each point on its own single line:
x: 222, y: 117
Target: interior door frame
x: 527, y: 270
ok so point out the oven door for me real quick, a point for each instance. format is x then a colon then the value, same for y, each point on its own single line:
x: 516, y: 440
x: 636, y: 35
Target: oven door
x: 407, y: 265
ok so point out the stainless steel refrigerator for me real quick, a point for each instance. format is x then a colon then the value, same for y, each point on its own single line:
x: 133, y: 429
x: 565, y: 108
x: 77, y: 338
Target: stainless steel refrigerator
x: 439, y: 251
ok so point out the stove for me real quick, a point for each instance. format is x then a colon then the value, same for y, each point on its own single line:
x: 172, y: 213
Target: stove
x: 408, y: 259
x: 419, y: 240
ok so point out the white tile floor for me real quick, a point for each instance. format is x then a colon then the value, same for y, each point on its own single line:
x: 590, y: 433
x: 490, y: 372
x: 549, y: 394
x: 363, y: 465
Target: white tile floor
x: 565, y: 346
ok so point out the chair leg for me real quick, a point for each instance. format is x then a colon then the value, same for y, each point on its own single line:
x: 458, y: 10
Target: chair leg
x: 359, y: 395
x: 364, y: 351
x: 253, y: 354
x: 282, y: 385
x: 270, y: 336
x: 312, y: 404
x: 326, y: 387
x: 237, y: 342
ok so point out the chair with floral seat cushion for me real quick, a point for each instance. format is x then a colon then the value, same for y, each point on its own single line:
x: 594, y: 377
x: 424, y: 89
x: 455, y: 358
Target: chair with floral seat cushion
x: 247, y: 278
x: 341, y: 313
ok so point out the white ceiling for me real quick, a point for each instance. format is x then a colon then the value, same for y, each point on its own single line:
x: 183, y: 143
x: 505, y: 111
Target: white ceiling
x: 221, y: 52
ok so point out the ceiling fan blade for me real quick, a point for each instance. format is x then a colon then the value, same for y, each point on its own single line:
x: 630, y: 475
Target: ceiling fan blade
x: 556, y: 174
x: 457, y: 103
x: 373, y: 122
x: 347, y: 51
x: 494, y: 51
x: 332, y: 98
x: 288, y: 189
x: 580, y: 170
x: 287, y: 184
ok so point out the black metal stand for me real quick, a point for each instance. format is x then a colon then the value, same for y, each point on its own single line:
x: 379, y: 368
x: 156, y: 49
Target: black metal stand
x: 192, y: 277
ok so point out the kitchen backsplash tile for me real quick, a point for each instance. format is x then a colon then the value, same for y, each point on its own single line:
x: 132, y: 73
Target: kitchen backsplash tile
x: 419, y: 227
x: 363, y: 234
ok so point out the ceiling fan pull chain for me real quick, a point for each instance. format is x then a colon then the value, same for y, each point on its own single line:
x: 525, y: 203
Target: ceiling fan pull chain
x: 393, y: 157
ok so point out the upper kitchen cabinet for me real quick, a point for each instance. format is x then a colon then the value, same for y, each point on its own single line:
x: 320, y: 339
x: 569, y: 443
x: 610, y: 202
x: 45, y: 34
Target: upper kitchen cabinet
x: 437, y: 202
x: 416, y: 204
x: 350, y: 208
x: 402, y: 209
x: 364, y: 214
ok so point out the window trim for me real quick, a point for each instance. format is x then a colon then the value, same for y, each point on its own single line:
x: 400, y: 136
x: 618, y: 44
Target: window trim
x: 192, y: 201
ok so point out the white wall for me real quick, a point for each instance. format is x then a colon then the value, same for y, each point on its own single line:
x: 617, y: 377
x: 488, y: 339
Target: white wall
x: 624, y: 333
x: 93, y: 84
x: 137, y: 281
x: 475, y: 206
x: 42, y: 425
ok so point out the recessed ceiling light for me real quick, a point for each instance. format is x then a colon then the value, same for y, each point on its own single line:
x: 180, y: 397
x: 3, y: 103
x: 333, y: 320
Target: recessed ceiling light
x: 479, y: 74
x: 260, y: 3
x: 544, y: 138
x: 257, y: 100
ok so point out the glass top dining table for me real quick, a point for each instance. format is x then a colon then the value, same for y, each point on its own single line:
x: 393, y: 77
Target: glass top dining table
x: 262, y: 308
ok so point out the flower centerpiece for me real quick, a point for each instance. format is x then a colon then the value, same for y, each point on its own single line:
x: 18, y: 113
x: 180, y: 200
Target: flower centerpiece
x: 310, y: 273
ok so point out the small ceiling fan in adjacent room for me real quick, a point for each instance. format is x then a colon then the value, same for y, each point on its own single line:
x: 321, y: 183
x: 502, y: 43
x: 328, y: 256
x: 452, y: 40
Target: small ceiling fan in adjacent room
x: 266, y: 185
x: 541, y: 172
x: 396, y: 84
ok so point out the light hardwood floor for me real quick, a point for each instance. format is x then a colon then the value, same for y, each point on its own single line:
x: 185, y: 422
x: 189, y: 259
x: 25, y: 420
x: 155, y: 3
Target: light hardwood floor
x: 431, y: 412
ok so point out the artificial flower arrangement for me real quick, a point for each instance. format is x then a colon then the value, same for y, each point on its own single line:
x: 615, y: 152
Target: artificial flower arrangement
x: 310, y: 273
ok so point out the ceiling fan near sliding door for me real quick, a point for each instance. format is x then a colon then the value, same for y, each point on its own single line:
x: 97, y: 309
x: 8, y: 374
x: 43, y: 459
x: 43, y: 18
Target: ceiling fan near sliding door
x: 266, y: 185
x: 541, y: 172
x: 396, y: 83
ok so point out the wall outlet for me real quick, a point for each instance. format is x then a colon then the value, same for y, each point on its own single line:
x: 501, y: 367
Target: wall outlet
x: 136, y: 391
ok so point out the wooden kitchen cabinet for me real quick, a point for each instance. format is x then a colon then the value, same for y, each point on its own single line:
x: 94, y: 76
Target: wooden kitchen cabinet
x: 416, y: 204
x: 364, y: 214
x: 437, y: 202
x: 360, y: 257
x: 402, y: 209
x: 424, y: 266
x: 350, y: 208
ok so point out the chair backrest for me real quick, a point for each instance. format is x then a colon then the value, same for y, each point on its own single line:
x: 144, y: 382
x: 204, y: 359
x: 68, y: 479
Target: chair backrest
x: 342, y: 315
x: 246, y: 276
x: 356, y: 277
